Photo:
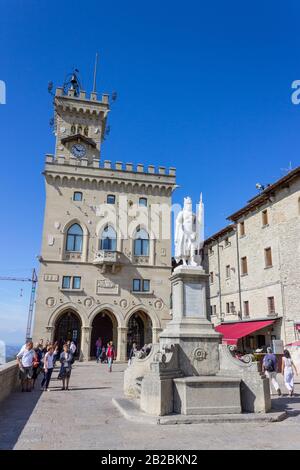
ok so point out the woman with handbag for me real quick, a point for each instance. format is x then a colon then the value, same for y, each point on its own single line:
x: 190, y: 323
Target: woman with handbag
x: 66, y: 366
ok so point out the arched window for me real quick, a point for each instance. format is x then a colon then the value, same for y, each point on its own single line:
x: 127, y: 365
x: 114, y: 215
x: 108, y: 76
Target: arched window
x: 141, y: 243
x: 143, y: 201
x: 74, y: 238
x: 108, y: 240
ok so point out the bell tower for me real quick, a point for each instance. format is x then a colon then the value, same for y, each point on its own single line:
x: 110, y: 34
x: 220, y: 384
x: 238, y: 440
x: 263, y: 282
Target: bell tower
x: 79, y: 121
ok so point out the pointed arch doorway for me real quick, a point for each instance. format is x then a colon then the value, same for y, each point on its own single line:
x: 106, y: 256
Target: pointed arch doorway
x: 68, y: 328
x: 104, y: 326
x: 139, y: 330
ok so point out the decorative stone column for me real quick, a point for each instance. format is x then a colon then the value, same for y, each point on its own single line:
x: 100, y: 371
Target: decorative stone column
x: 50, y: 333
x: 122, y: 344
x: 155, y: 334
x: 189, y: 327
x: 85, y: 343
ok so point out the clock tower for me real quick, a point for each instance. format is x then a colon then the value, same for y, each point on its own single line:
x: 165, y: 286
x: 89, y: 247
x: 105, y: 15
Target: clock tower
x: 95, y: 278
x: 79, y: 122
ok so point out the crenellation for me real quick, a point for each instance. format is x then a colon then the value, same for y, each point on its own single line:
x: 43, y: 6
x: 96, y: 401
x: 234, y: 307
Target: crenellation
x: 107, y: 164
x: 105, y: 98
x: 162, y: 170
x: 129, y: 167
x: 151, y: 169
x: 49, y: 158
x: 119, y: 166
x: 140, y: 168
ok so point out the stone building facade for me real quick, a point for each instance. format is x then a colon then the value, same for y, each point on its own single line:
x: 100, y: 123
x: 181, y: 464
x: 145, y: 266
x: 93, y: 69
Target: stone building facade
x: 105, y: 260
x: 254, y: 264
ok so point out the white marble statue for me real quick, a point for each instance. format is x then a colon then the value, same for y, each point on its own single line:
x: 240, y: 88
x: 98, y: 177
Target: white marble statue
x: 189, y: 233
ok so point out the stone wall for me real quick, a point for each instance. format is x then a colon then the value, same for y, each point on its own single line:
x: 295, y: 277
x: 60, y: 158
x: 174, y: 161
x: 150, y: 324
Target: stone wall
x: 8, y: 379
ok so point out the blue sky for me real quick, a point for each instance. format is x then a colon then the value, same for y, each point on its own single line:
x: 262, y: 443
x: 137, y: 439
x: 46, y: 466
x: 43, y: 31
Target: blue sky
x: 203, y: 86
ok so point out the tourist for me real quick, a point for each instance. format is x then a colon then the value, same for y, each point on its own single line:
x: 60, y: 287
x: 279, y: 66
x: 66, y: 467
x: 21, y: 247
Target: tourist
x: 132, y: 353
x: 110, y: 354
x: 103, y: 355
x: 270, y: 368
x: 288, y: 368
x: 66, y: 367
x: 55, y: 353
x: 25, y: 359
x: 98, y: 349
x: 37, y: 363
x: 73, y: 350
x: 48, y: 369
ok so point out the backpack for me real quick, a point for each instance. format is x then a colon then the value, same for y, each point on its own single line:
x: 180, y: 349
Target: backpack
x: 269, y: 365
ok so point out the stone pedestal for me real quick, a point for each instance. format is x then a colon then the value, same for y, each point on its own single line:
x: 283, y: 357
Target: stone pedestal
x: 189, y: 327
x: 207, y: 395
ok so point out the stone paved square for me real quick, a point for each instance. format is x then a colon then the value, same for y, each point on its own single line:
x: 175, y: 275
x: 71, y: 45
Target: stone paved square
x: 85, y: 418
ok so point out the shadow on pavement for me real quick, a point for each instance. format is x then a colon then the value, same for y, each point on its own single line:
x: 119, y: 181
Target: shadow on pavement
x: 289, y: 404
x: 15, y: 411
x: 74, y: 389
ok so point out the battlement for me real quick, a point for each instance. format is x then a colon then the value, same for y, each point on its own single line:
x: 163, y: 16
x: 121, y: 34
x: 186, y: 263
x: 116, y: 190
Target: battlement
x: 59, y: 92
x: 108, y: 165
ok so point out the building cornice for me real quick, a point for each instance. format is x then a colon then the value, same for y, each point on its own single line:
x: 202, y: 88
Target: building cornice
x: 265, y: 195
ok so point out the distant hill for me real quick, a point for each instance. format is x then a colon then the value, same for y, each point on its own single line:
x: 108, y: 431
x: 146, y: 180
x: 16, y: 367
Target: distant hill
x: 11, y: 351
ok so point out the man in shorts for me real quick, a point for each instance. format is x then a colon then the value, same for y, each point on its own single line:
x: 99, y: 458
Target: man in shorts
x: 25, y: 359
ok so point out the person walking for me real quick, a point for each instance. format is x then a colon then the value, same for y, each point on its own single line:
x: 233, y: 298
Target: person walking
x: 98, y: 349
x: 110, y: 354
x: 66, y: 367
x: 270, y: 368
x: 103, y: 355
x: 25, y: 359
x: 288, y: 368
x: 48, y: 369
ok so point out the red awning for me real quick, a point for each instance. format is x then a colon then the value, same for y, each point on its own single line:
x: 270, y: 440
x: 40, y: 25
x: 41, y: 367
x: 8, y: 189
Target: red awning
x: 233, y: 331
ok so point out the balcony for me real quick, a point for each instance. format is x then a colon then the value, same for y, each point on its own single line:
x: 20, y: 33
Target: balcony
x: 108, y: 259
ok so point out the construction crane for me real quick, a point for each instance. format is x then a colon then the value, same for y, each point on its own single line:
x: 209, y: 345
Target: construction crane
x: 33, y: 281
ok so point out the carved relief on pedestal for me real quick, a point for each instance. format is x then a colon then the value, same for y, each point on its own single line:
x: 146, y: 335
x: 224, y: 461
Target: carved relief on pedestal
x: 106, y: 286
x: 50, y: 301
x: 199, y: 354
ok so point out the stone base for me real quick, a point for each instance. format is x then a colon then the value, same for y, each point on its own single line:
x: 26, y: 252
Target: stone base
x: 207, y: 395
x: 130, y: 410
x: 157, y: 395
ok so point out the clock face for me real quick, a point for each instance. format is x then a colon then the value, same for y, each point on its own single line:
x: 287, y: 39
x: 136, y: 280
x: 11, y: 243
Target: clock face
x: 78, y: 150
